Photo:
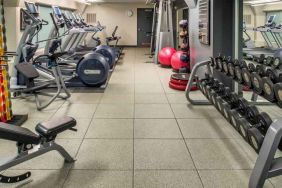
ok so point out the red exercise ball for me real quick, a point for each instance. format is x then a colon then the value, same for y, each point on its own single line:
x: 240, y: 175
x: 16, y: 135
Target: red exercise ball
x: 176, y: 61
x: 165, y: 56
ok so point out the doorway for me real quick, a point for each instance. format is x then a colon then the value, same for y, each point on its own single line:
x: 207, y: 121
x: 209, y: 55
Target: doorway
x: 144, y: 26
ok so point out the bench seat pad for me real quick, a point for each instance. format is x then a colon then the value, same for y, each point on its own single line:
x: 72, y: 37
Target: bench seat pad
x: 55, y: 126
x: 18, y: 134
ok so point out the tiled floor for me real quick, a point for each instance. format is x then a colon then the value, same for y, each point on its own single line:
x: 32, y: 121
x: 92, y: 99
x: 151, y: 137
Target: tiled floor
x: 138, y: 133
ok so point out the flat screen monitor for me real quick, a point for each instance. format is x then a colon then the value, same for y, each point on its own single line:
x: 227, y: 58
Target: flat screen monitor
x: 31, y: 8
x: 271, y: 19
x: 57, y: 11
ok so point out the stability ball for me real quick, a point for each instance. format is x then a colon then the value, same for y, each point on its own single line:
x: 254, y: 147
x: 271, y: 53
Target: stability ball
x: 179, y: 60
x: 165, y: 56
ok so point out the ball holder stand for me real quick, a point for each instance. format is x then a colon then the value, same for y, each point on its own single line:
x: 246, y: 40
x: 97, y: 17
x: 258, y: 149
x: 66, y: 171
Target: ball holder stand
x: 180, y: 78
x: 267, y: 164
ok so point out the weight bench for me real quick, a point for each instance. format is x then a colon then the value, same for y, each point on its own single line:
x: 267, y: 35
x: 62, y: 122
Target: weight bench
x: 31, y: 145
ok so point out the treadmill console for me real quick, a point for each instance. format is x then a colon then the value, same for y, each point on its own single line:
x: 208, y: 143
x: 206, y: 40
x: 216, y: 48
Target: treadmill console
x: 32, y: 9
x: 67, y: 20
x: 270, y: 21
x: 57, y: 11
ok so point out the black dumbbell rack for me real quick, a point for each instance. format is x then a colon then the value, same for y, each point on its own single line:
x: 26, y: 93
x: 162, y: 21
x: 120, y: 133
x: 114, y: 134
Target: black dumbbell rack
x: 267, y: 165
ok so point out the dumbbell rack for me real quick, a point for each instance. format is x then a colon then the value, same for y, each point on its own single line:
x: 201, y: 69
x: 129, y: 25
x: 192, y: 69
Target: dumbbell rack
x: 266, y: 166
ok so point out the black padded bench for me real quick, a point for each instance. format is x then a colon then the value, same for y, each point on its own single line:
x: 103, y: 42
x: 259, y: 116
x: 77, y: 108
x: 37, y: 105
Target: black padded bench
x: 56, y: 126
x: 31, y: 145
x: 46, y: 129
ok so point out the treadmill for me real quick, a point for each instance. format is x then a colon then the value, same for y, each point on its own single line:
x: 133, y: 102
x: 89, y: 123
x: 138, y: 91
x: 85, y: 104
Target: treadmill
x: 77, y: 45
x: 267, y: 34
x: 277, y: 32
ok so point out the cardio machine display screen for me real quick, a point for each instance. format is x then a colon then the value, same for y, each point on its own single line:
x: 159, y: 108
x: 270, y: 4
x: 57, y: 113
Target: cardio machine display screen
x: 271, y: 19
x: 57, y: 11
x: 31, y: 8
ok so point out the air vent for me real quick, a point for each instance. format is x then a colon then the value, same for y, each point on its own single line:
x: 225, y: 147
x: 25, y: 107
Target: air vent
x: 90, y: 18
x: 248, y: 19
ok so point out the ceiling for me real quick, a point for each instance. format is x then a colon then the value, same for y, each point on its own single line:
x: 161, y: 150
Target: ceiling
x: 113, y: 1
x: 253, y: 2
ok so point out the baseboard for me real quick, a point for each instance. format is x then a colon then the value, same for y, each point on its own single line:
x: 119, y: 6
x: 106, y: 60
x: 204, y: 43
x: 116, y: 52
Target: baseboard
x: 128, y: 46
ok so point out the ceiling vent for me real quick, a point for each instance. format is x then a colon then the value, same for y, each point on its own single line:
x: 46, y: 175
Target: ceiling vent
x: 91, y: 18
x: 248, y: 19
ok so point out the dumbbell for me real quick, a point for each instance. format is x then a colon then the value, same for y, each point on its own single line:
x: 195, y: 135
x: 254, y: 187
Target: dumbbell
x: 238, y: 71
x: 217, y: 94
x: 231, y: 68
x: 268, y: 61
x: 256, y: 78
x: 231, y: 99
x: 205, y: 84
x: 226, y: 103
x: 225, y: 65
x: 278, y: 93
x: 246, y: 122
x: 212, y: 62
x: 237, y: 111
x: 209, y: 88
x: 277, y: 63
x: 258, y: 131
x: 273, y: 76
x: 218, y: 63
x: 260, y: 59
x: 246, y: 74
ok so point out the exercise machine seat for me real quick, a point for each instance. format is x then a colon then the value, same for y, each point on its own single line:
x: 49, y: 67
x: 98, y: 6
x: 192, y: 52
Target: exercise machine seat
x: 53, y: 127
x: 18, y: 134
x: 28, y: 70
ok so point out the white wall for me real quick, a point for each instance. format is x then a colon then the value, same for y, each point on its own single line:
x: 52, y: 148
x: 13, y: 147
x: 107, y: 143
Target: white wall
x: 274, y: 7
x: 62, y: 3
x: 248, y: 11
x: 12, y: 15
x: 111, y: 15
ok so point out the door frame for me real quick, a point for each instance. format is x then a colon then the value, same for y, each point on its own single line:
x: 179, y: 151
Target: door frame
x: 137, y: 24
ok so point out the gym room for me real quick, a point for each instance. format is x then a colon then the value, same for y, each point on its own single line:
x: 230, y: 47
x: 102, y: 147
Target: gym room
x: 140, y: 93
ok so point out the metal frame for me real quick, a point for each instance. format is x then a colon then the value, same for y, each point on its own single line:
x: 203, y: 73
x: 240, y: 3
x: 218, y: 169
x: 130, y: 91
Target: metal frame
x: 37, y: 151
x: 153, y: 36
x: 266, y: 166
x: 164, y: 26
x: 60, y: 84
x: 277, y: 34
x: 190, y: 83
x: 193, y: 76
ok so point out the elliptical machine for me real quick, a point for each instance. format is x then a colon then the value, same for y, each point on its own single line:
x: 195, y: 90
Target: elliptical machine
x: 92, y: 69
x: 77, y: 39
x: 116, y: 39
x: 26, y: 79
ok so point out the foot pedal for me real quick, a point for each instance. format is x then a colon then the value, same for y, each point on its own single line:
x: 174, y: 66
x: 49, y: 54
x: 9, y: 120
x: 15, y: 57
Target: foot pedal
x: 14, y: 179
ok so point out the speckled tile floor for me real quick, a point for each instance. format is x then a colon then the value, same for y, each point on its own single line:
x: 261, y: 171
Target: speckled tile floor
x: 139, y: 133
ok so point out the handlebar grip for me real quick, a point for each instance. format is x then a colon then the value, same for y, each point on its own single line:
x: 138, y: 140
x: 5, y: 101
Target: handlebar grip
x: 46, y: 22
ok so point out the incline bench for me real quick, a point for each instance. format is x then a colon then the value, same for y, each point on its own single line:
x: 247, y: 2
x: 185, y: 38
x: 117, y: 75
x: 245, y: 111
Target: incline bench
x: 31, y: 145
